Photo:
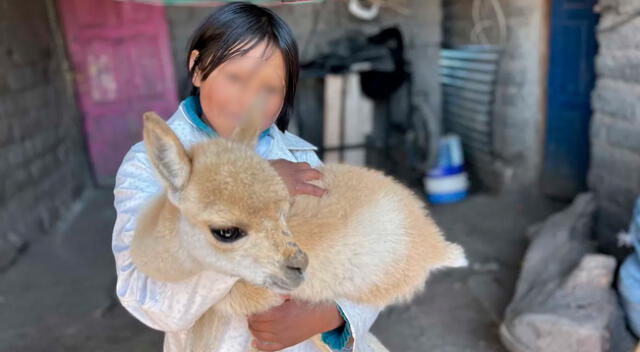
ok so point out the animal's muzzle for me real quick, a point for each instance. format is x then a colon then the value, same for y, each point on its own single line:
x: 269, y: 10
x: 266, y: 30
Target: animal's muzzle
x: 297, y: 263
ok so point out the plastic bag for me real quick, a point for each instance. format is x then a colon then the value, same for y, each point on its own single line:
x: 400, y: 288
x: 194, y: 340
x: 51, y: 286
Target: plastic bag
x: 629, y: 276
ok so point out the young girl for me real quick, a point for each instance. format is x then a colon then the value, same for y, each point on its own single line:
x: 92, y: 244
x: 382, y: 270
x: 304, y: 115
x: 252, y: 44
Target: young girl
x: 241, y: 51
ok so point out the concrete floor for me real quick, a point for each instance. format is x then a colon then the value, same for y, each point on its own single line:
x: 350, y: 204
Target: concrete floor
x: 59, y: 295
x: 461, y: 309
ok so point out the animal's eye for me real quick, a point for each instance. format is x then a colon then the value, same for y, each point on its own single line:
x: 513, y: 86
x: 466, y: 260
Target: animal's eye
x: 229, y: 234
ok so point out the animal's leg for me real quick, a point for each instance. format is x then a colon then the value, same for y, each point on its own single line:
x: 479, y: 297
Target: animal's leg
x: 247, y: 299
x: 205, y: 334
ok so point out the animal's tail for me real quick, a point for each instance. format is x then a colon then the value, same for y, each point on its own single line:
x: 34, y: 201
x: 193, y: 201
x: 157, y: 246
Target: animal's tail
x: 457, y: 257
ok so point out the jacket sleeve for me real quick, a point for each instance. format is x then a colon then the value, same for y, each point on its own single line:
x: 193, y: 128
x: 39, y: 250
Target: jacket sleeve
x: 358, y: 318
x: 160, y: 305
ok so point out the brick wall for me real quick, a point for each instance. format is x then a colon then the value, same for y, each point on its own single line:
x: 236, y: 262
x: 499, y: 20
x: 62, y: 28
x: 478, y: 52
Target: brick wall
x: 43, y: 167
x: 518, y: 115
x: 615, y: 129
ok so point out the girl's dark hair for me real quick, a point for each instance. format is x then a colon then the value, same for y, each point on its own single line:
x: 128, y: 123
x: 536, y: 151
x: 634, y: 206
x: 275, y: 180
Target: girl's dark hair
x: 236, y: 28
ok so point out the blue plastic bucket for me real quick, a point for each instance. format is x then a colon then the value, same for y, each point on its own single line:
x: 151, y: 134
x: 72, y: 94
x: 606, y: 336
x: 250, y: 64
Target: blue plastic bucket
x: 448, y: 181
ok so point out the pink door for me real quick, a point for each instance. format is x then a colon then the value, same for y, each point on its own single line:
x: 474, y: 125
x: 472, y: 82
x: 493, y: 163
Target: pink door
x: 123, y: 67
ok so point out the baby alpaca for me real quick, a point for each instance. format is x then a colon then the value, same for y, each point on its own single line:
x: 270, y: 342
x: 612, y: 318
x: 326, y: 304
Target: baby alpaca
x: 369, y: 239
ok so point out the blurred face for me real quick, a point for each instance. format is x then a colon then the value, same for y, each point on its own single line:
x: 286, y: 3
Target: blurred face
x: 232, y: 87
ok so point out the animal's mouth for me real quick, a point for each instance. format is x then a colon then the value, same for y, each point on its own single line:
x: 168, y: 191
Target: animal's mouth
x: 291, y: 273
x: 282, y: 285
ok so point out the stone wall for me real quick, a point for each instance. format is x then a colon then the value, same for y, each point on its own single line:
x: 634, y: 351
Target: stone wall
x: 518, y: 117
x: 43, y: 167
x: 615, y: 129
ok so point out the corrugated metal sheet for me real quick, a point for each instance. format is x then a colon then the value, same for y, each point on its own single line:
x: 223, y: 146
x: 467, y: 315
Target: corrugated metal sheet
x: 468, y: 76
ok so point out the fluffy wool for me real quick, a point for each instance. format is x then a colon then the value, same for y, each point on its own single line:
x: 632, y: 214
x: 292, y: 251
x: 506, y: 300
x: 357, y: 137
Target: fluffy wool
x: 369, y: 239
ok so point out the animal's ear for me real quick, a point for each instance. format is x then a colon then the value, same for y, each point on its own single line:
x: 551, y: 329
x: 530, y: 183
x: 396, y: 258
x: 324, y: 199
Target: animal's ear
x: 156, y: 249
x: 167, y: 154
x: 248, y: 130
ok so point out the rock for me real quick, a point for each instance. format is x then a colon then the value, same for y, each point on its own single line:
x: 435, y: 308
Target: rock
x: 8, y: 253
x: 563, y: 300
x: 11, y: 245
x: 617, y: 99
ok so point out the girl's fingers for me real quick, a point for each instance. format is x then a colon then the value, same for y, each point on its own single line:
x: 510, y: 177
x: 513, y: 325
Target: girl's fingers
x: 264, y: 336
x: 267, y: 346
x: 311, y: 174
x: 267, y: 316
x: 263, y: 327
x: 309, y: 189
x: 303, y: 165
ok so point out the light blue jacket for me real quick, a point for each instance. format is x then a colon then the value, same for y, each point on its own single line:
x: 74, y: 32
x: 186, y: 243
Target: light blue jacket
x: 175, y: 307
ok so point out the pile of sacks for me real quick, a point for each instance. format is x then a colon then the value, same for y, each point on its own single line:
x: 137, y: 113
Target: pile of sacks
x: 564, y: 298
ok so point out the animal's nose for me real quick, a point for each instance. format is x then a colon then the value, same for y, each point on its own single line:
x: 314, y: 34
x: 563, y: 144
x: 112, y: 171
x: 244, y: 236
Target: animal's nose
x: 297, y: 262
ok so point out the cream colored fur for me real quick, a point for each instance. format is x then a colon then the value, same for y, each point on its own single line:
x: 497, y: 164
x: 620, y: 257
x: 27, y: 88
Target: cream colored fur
x: 369, y: 239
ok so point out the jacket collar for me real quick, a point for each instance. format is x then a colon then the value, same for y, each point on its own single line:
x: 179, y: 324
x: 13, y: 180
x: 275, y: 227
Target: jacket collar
x: 190, y: 110
x: 289, y: 140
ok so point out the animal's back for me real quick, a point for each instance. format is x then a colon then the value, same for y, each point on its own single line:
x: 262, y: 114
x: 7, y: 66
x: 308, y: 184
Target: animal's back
x: 369, y: 239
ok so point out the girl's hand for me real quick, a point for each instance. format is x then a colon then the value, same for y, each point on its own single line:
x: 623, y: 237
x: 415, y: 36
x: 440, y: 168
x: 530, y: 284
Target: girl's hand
x: 291, y: 323
x: 296, y: 175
